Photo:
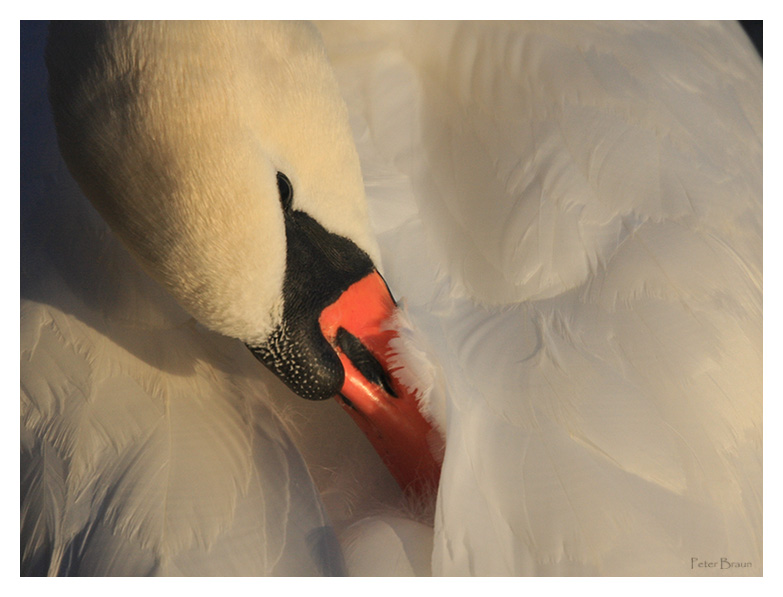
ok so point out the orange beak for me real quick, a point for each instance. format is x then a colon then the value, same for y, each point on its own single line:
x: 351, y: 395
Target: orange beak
x: 357, y: 327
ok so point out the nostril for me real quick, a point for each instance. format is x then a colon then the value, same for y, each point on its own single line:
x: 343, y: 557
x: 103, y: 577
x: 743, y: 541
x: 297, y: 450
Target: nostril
x: 363, y: 360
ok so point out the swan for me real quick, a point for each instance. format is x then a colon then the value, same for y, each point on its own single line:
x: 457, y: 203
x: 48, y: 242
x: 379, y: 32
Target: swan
x: 572, y: 215
x: 217, y: 182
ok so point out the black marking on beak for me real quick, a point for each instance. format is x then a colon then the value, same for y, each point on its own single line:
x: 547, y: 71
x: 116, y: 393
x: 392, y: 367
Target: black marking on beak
x: 320, y: 266
x: 346, y: 401
x: 364, y: 360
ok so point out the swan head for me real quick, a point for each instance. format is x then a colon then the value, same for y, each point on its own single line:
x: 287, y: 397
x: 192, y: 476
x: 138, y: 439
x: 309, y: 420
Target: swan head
x: 221, y: 155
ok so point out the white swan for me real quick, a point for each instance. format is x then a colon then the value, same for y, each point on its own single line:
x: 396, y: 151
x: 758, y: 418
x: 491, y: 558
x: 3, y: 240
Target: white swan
x: 204, y: 145
x: 572, y: 213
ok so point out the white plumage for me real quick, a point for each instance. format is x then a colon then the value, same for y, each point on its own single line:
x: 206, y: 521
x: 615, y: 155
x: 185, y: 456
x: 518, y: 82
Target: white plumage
x: 572, y: 215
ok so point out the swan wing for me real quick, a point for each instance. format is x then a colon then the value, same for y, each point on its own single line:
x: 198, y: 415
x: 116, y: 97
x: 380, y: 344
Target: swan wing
x: 572, y: 214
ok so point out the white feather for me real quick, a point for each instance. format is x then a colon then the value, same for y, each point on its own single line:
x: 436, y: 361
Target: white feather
x: 149, y: 445
x: 412, y: 363
x: 572, y: 215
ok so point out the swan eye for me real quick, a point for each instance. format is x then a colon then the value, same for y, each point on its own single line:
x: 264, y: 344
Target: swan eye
x: 286, y: 191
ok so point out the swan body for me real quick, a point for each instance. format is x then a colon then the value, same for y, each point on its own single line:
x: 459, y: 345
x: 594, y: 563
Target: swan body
x: 572, y: 212
x: 572, y: 216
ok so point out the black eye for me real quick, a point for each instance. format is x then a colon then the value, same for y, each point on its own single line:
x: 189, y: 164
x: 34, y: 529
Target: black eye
x: 286, y: 191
